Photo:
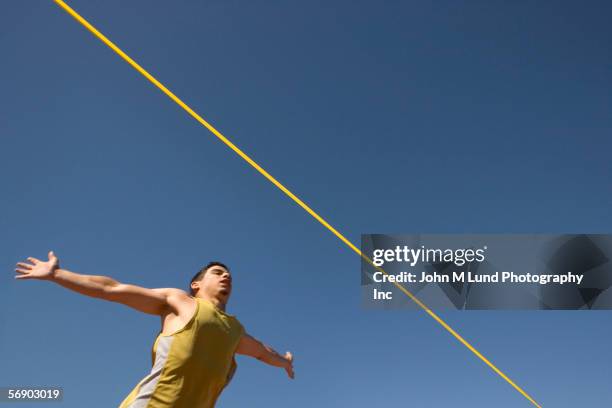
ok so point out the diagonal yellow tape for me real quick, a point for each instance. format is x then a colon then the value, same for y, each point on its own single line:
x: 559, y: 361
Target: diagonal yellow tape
x: 302, y: 204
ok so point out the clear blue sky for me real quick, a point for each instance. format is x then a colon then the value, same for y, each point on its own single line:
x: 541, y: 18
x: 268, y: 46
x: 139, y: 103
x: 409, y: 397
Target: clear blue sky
x: 386, y: 117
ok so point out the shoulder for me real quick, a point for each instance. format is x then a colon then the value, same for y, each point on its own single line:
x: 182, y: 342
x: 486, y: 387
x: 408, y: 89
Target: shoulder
x: 238, y: 324
x: 178, y: 300
x: 173, y: 292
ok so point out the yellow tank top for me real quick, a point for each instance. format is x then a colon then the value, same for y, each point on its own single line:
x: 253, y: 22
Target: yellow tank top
x: 191, y: 366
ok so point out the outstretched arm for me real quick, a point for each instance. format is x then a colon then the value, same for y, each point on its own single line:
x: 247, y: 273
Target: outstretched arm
x: 151, y: 301
x: 250, y: 346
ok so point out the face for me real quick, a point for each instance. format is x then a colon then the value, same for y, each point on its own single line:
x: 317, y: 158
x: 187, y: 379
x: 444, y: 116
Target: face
x: 216, y: 282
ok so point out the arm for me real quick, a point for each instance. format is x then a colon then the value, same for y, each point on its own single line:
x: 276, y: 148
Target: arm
x: 151, y: 301
x: 252, y: 347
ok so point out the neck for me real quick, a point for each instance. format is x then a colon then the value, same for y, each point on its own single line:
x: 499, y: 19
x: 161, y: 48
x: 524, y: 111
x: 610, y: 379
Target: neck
x: 218, y: 302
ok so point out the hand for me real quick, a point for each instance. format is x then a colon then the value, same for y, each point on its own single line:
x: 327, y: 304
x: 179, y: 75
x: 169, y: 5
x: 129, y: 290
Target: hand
x: 289, y: 366
x: 38, y: 269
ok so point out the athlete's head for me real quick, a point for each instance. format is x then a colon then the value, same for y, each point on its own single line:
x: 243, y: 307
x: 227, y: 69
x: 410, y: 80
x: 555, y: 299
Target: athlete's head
x: 213, y: 280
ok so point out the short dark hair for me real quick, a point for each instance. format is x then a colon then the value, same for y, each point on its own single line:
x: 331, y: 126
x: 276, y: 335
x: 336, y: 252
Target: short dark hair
x: 202, y: 271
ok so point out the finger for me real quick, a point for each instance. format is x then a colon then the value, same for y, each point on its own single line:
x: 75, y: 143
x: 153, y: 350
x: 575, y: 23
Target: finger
x: 24, y: 265
x: 23, y: 277
x: 22, y: 270
x: 33, y: 260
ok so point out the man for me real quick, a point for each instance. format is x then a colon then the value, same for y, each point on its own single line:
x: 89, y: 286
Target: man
x: 193, y: 355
